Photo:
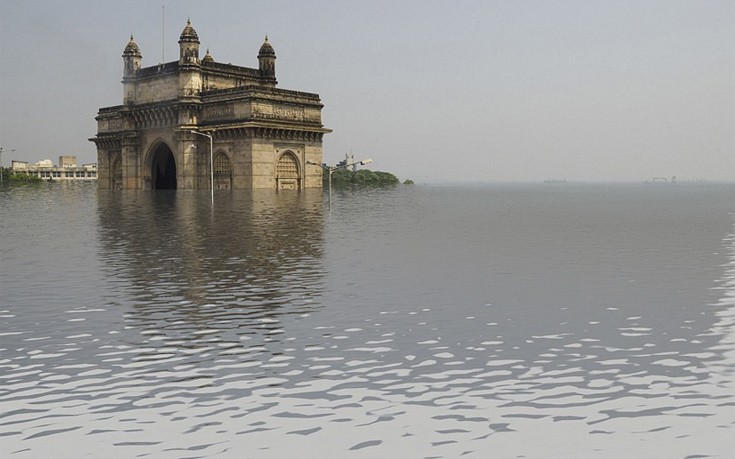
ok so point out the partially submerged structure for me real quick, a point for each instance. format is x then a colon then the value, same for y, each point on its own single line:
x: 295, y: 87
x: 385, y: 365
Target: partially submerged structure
x: 261, y: 136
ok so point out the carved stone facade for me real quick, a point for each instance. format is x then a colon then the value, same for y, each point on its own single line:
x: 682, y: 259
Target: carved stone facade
x: 262, y: 136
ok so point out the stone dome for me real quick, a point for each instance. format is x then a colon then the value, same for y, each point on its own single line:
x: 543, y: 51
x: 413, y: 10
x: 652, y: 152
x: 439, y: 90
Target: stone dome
x: 266, y: 49
x: 208, y: 57
x: 189, y: 34
x: 132, y: 48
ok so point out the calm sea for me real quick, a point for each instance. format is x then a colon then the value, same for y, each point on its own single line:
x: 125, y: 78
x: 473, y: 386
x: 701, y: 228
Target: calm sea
x: 549, y: 320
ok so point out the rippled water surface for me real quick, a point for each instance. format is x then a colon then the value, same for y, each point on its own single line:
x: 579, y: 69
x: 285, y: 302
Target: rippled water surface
x: 417, y: 321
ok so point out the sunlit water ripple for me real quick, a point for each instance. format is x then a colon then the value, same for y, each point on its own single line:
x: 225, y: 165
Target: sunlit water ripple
x: 498, y: 321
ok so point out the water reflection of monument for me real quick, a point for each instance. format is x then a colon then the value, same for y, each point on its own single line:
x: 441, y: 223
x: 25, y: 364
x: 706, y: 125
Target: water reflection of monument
x: 186, y: 266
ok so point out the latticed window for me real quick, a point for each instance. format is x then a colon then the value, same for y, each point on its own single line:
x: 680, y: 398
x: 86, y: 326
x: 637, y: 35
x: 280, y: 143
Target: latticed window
x: 222, y: 167
x: 287, y: 167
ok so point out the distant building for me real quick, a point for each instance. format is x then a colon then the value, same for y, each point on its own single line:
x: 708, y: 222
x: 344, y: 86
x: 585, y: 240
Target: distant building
x: 349, y: 159
x: 67, y: 161
x: 262, y: 136
x: 66, y: 170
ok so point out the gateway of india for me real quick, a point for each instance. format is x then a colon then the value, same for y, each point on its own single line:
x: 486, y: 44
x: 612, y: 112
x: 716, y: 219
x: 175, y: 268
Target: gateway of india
x: 261, y: 136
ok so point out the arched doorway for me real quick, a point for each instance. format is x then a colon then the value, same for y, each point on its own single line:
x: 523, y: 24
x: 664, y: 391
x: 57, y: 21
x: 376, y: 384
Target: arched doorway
x: 116, y: 182
x: 287, y: 172
x: 222, y: 172
x: 163, y: 169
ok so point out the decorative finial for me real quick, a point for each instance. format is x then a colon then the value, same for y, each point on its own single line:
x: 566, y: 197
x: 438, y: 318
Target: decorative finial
x: 266, y: 38
x: 188, y: 21
x: 131, y: 37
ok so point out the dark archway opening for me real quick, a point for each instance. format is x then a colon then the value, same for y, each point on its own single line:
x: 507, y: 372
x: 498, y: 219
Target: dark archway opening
x: 163, y: 170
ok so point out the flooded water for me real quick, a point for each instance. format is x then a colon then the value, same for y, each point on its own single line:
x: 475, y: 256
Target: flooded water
x: 417, y: 321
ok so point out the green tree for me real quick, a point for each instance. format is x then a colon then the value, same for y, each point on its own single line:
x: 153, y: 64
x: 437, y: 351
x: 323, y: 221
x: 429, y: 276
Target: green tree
x: 361, y: 177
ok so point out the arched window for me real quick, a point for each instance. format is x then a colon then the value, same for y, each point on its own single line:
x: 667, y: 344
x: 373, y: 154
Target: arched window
x: 222, y: 166
x: 222, y: 169
x: 287, y: 167
x: 287, y: 172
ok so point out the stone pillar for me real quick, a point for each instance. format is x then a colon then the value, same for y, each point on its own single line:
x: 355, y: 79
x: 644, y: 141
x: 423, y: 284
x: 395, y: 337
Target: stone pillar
x: 242, y: 171
x: 263, y: 164
x: 131, y: 163
x: 186, y: 154
x: 313, y: 174
x: 103, y: 168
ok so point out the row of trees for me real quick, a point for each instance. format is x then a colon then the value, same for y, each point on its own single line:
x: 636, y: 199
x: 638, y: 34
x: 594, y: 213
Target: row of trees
x: 10, y: 177
x: 361, y: 177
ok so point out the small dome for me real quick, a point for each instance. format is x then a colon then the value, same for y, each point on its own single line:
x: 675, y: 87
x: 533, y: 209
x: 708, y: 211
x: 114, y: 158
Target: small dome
x: 189, y: 34
x: 208, y: 57
x: 266, y: 49
x: 132, y: 48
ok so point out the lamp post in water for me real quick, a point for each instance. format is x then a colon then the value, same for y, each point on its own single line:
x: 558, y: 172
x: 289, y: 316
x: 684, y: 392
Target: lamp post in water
x: 211, y: 161
x: 331, y: 169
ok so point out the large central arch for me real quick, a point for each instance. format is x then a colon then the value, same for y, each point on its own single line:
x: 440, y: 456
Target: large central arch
x: 163, y: 168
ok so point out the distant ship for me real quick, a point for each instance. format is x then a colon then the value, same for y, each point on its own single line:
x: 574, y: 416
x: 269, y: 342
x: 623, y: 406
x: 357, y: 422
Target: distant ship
x: 661, y: 180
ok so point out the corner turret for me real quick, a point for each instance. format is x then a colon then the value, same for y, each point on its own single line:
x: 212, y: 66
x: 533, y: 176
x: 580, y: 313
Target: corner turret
x: 267, y: 62
x: 190, y: 69
x: 131, y: 64
x: 189, y: 46
x: 207, y: 57
x: 131, y: 58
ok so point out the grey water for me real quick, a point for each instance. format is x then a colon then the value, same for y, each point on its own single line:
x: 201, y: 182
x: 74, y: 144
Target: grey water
x: 539, y: 320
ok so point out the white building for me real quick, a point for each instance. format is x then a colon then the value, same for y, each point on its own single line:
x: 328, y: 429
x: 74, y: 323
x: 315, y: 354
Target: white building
x: 66, y: 170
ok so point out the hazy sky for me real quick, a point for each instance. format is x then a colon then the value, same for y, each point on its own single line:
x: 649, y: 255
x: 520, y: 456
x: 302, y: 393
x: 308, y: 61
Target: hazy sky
x: 436, y: 91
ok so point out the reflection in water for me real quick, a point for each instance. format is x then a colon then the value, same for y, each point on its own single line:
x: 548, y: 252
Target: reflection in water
x: 412, y: 322
x: 243, y: 253
x: 724, y: 329
x: 201, y: 276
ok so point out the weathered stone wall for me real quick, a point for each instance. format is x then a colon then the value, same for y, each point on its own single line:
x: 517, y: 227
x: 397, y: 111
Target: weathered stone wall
x: 242, y: 169
x: 109, y: 122
x: 218, y: 81
x: 264, y: 164
x: 156, y: 89
x: 313, y: 175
